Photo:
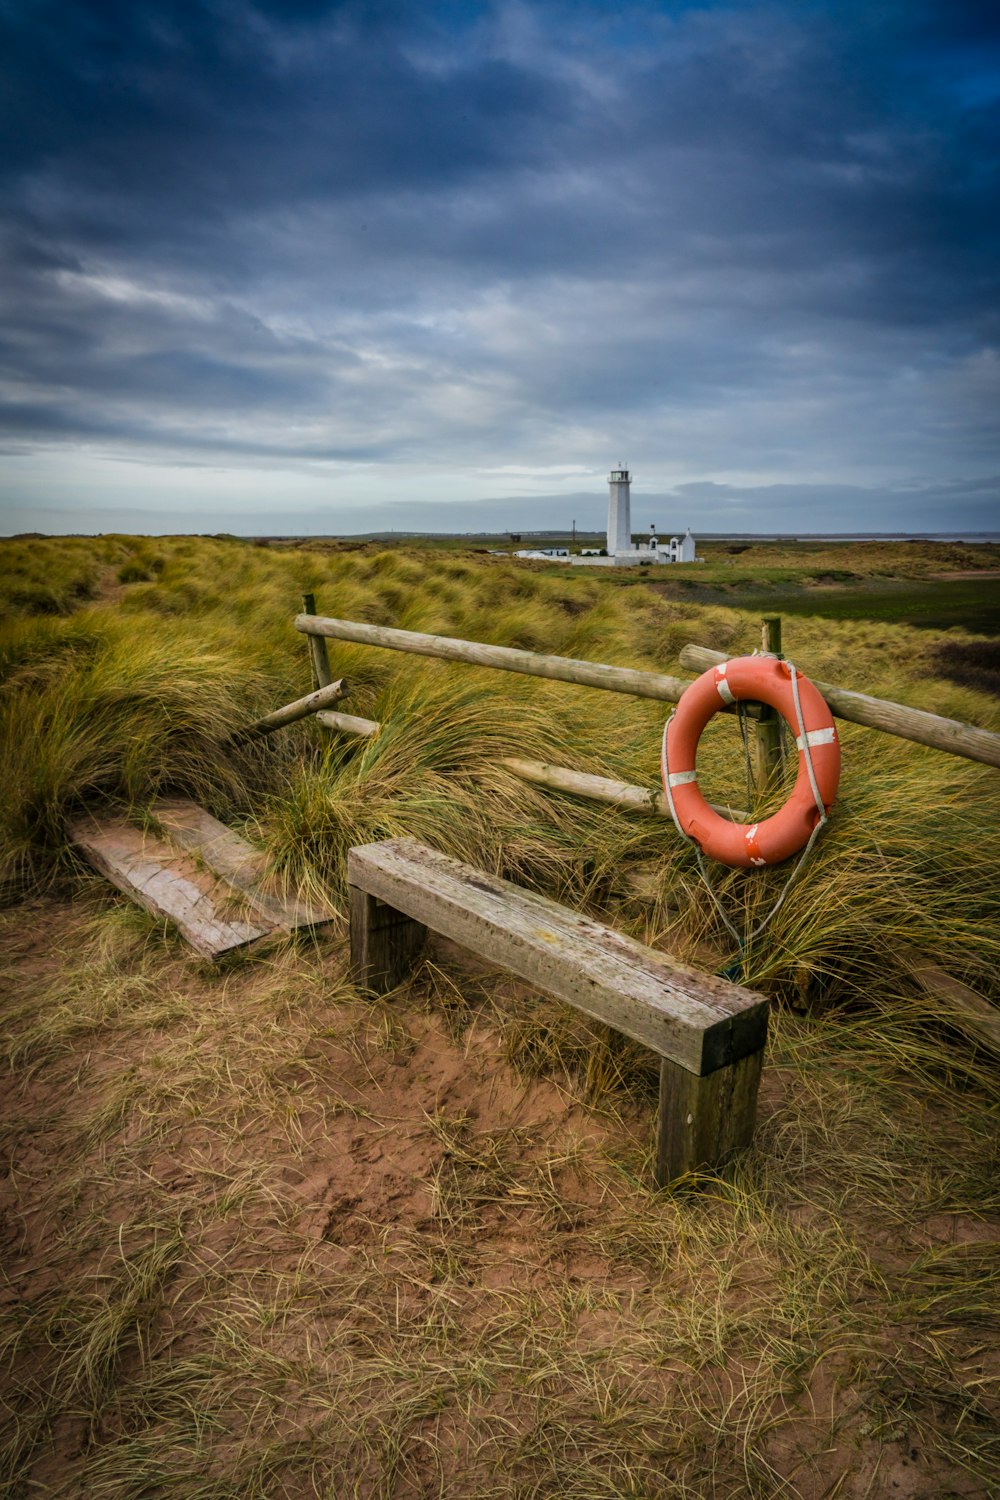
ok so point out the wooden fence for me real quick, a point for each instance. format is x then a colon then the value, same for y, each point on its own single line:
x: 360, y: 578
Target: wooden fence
x: 948, y: 735
x: 968, y: 1010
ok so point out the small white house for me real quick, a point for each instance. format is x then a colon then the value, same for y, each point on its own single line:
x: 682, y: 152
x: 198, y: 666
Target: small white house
x: 543, y: 552
x: 683, y: 549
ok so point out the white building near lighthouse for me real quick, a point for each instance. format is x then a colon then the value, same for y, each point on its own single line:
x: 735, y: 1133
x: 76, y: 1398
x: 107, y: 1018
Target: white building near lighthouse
x: 622, y: 552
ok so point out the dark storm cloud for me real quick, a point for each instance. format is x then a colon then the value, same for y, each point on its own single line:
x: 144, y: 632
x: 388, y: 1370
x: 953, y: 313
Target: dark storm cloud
x: 754, y: 238
x: 122, y: 111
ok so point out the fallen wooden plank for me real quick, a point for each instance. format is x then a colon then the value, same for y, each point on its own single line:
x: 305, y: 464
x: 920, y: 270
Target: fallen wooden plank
x: 637, y: 799
x: 346, y: 723
x: 238, y: 863
x: 959, y: 1005
x: 169, y: 883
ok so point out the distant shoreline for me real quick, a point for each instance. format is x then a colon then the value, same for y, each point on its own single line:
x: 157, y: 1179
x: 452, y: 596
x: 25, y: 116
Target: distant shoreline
x: 969, y: 538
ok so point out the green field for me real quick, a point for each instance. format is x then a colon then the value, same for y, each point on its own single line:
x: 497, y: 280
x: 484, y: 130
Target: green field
x: 896, y: 582
x: 970, y: 604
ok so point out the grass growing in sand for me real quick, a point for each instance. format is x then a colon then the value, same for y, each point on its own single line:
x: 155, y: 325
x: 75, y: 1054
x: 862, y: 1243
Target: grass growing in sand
x: 266, y: 1240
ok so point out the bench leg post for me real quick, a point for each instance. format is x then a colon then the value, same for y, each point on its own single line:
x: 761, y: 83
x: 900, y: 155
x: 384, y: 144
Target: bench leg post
x: 703, y: 1120
x: 384, y: 943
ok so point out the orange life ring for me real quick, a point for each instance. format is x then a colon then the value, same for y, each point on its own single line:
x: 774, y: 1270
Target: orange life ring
x: 764, y: 679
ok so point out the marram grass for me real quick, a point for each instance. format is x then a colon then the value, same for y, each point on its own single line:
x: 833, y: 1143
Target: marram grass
x: 124, y: 700
x: 271, y: 1241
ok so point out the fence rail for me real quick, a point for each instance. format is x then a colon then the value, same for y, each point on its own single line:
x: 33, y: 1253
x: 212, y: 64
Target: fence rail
x: 302, y: 708
x: 501, y: 658
x: 948, y: 735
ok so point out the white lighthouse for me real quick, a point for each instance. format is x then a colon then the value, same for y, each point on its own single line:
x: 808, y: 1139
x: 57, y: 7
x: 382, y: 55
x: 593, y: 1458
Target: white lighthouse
x: 621, y: 551
x: 619, y: 511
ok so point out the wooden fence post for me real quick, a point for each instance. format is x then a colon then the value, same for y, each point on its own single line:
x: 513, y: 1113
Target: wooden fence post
x: 768, y: 744
x: 322, y: 675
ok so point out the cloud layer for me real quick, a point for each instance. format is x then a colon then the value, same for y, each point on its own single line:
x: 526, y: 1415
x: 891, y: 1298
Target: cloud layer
x: 367, y: 253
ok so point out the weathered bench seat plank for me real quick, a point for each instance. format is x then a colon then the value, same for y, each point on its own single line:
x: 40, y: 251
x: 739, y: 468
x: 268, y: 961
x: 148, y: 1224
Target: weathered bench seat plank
x: 708, y: 1033
x: 695, y: 1019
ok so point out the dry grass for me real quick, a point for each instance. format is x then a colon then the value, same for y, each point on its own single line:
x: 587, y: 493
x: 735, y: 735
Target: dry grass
x: 262, y: 1239
x: 269, y: 1241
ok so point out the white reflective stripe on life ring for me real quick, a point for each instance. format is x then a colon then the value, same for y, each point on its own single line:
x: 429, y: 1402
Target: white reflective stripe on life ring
x: 816, y: 737
x: 725, y: 691
x: 682, y: 778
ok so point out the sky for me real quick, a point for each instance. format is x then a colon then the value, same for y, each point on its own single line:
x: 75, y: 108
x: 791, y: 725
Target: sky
x: 339, y: 267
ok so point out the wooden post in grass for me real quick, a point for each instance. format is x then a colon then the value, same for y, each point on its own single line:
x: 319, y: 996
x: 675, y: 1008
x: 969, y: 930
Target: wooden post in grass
x: 384, y: 943
x: 704, y: 1119
x: 320, y: 661
x: 768, y: 743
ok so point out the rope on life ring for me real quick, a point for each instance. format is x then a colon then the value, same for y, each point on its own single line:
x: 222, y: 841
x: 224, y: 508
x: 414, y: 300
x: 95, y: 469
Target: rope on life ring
x: 764, y: 679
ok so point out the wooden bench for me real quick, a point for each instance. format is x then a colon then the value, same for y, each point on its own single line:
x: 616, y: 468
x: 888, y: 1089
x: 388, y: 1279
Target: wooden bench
x: 708, y: 1033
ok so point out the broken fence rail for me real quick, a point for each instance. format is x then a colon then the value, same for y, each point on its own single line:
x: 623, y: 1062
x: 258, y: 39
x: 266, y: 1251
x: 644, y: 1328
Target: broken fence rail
x: 290, y: 713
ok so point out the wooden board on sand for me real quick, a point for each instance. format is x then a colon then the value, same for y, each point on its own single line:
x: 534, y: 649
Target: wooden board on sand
x: 214, y: 886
